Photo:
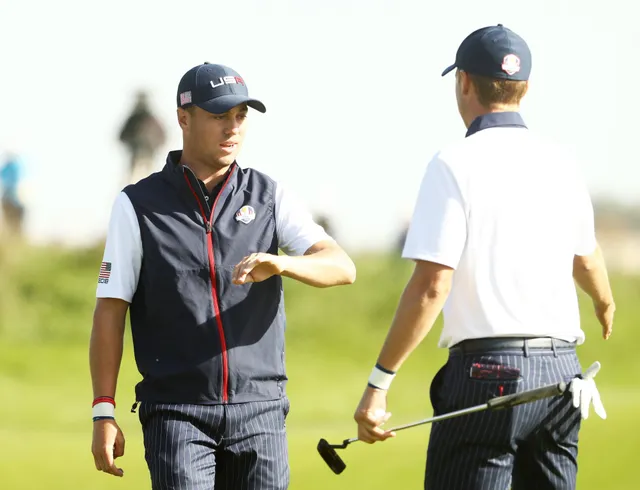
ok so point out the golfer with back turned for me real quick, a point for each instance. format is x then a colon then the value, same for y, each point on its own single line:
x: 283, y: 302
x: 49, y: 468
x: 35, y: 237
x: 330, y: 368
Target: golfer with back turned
x: 502, y: 227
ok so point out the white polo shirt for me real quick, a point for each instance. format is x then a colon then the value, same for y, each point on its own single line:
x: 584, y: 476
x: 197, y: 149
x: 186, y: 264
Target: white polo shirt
x: 295, y: 228
x: 508, y: 211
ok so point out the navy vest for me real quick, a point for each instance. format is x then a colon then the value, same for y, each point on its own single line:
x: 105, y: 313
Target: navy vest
x: 198, y: 338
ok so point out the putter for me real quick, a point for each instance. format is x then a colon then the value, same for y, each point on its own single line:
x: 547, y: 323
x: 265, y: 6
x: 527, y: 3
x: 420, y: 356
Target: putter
x: 337, y: 465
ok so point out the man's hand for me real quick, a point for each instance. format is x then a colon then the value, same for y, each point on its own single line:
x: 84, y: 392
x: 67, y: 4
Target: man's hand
x: 604, y: 314
x: 107, y: 445
x: 257, y: 267
x: 371, y: 414
x: 585, y: 392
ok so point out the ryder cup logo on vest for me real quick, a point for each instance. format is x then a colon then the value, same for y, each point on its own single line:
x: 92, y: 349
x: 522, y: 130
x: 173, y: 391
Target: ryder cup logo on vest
x: 246, y: 214
x: 511, y: 64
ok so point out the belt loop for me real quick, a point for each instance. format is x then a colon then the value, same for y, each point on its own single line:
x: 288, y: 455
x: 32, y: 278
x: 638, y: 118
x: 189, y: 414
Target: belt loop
x: 553, y: 346
x: 526, y: 347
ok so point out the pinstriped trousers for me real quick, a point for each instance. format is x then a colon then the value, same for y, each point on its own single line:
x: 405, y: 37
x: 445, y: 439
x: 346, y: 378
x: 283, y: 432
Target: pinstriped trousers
x: 527, y: 447
x: 222, y: 447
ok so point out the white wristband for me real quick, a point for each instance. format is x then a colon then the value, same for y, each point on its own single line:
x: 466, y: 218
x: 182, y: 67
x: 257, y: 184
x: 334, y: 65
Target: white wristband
x: 381, y: 378
x: 104, y: 409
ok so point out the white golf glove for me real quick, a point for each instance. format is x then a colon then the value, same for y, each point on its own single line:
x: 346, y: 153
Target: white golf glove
x: 585, y: 392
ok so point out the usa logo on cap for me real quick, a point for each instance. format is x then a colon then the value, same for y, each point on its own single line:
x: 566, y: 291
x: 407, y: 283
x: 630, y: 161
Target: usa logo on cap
x: 246, y: 214
x: 511, y: 64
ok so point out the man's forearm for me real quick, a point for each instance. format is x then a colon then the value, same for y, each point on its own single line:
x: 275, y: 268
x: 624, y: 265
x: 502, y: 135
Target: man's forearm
x: 417, y: 311
x: 590, y: 273
x: 106, y: 345
x: 325, y: 268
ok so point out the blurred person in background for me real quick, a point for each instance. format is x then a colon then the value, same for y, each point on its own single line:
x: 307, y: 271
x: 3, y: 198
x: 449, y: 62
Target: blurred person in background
x: 192, y: 253
x: 13, y: 208
x: 143, y: 135
x: 324, y: 221
x: 402, y: 238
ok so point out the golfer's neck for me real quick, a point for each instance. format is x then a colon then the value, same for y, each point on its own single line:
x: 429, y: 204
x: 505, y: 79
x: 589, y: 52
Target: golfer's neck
x: 209, y: 173
x: 483, y: 111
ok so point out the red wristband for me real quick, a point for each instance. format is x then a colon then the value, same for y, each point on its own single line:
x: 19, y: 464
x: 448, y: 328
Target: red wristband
x: 104, y: 399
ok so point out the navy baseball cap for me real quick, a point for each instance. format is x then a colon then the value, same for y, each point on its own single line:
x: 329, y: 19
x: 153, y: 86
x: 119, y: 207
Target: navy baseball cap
x: 214, y: 88
x: 494, y: 52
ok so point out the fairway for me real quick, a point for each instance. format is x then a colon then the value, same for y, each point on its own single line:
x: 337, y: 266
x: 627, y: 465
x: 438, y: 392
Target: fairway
x: 333, y: 337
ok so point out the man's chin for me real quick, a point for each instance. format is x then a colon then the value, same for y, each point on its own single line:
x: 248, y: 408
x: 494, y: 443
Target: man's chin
x: 226, y: 160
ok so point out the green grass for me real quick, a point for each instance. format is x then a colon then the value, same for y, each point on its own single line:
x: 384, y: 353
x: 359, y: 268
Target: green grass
x: 333, y: 336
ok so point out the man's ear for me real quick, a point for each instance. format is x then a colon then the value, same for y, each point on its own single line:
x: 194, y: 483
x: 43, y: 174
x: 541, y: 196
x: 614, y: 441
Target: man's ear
x: 465, y: 81
x: 183, y: 118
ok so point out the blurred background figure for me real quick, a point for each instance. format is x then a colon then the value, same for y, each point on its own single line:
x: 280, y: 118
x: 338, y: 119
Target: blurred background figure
x: 324, y: 221
x: 13, y: 208
x: 402, y: 236
x: 142, y: 134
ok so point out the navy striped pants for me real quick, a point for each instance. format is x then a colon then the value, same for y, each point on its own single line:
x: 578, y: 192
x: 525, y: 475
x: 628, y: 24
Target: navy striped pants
x: 530, y: 446
x: 204, y: 447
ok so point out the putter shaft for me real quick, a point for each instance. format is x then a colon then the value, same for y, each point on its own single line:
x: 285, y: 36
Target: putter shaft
x: 437, y: 418
x: 494, y: 404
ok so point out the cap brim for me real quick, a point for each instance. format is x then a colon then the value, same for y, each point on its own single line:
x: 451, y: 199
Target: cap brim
x: 225, y: 103
x: 449, y: 69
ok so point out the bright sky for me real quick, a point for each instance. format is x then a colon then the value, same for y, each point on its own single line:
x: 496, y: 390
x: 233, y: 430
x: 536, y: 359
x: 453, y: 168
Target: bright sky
x: 353, y: 93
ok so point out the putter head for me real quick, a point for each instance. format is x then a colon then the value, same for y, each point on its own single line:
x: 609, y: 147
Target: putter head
x: 330, y: 456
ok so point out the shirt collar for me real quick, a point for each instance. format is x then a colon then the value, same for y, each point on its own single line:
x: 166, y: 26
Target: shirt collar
x: 174, y: 171
x: 496, y: 120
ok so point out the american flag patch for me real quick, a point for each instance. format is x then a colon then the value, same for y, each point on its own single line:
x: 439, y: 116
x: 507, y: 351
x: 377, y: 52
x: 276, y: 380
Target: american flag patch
x: 105, y: 273
x: 185, y: 98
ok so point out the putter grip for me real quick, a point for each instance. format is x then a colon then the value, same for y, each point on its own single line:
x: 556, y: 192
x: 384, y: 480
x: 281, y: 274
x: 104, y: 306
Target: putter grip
x: 508, y: 401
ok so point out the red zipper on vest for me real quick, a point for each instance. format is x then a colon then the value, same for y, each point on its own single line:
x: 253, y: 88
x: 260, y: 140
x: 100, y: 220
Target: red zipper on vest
x: 212, y: 272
